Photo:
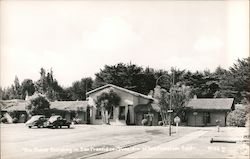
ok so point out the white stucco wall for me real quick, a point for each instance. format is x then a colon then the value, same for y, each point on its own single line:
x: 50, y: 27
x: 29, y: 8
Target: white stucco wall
x: 127, y: 99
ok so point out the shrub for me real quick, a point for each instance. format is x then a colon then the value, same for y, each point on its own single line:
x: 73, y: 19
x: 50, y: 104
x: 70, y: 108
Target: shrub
x: 160, y: 123
x: 144, y: 122
x: 77, y: 121
x: 38, y: 105
x: 4, y: 120
x: 237, y: 118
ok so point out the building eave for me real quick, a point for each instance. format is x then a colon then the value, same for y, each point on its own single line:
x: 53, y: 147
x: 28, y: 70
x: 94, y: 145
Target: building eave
x: 120, y: 88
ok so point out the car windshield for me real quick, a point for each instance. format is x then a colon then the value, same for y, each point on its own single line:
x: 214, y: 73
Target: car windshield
x: 54, y: 118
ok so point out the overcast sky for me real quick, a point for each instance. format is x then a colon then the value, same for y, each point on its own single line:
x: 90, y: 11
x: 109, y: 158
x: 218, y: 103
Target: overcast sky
x: 76, y: 39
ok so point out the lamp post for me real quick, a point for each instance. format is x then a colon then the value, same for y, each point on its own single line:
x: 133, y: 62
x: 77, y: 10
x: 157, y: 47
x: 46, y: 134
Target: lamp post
x: 170, y: 102
x: 156, y: 83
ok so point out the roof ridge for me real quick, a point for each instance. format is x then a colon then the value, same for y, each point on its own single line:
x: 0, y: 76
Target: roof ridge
x: 121, y: 88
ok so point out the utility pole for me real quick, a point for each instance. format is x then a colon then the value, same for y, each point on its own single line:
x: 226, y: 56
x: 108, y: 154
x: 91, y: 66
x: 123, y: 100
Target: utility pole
x: 170, y: 105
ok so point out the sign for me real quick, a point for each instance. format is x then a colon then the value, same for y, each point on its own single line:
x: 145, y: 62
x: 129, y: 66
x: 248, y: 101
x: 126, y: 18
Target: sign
x: 177, y: 119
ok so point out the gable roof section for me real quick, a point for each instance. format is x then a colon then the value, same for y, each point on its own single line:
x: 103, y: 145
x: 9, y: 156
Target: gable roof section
x: 19, y: 105
x: 211, y: 104
x: 122, y: 89
x: 14, y: 104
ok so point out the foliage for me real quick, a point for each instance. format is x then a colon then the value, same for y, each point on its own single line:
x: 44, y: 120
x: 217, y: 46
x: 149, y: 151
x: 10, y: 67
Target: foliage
x: 128, y: 76
x: 28, y: 88
x: 78, y: 121
x: 180, y: 96
x: 232, y: 82
x: 38, y: 105
x: 235, y: 82
x: 237, y: 117
x: 4, y: 120
x: 79, y: 89
x: 160, y: 123
x: 144, y: 122
x: 177, y: 98
x: 162, y: 99
x: 12, y: 92
x: 49, y: 86
x: 107, y: 100
x: 17, y: 88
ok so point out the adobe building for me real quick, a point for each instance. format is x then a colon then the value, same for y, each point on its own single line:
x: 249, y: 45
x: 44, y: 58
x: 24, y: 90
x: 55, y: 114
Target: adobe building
x: 133, y: 107
x: 205, y: 111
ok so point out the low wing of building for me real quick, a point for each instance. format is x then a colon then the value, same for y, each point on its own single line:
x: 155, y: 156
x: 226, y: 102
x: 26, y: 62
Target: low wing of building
x: 206, y: 111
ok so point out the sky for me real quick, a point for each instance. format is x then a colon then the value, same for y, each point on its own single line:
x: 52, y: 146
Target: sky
x: 77, y: 38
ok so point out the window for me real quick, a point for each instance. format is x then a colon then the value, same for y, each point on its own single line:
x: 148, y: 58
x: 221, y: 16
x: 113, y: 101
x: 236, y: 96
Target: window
x: 206, y: 117
x: 122, y: 113
x: 98, y: 114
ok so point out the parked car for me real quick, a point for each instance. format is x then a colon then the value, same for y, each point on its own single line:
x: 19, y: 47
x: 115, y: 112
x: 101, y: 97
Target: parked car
x: 37, y: 120
x: 56, y: 121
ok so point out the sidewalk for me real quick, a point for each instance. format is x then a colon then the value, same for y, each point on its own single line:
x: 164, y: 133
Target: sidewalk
x: 160, y: 150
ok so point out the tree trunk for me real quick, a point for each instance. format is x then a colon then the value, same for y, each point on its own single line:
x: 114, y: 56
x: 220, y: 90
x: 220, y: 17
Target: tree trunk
x: 103, y: 116
x: 107, y: 117
x: 164, y: 118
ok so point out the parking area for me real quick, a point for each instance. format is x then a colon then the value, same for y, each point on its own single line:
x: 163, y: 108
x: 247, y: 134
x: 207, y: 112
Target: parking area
x: 97, y: 141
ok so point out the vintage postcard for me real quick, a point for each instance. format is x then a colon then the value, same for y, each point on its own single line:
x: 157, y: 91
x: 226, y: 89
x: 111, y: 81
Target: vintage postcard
x: 124, y: 79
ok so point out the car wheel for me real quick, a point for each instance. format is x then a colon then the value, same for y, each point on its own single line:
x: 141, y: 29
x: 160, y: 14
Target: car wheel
x: 38, y: 126
x: 30, y: 126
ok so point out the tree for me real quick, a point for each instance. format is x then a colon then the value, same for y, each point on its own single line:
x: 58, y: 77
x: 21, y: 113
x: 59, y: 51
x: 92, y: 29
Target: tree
x: 41, y: 84
x: 38, y: 105
x: 128, y: 76
x: 238, y: 117
x: 17, y: 89
x: 27, y: 87
x: 79, y: 89
x: 178, y: 98
x: 235, y: 82
x: 1, y: 93
x: 162, y: 99
x: 49, y: 86
x: 106, y: 102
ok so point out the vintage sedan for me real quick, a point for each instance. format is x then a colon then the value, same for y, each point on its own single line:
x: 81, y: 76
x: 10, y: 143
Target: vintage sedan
x: 56, y: 121
x: 37, y: 120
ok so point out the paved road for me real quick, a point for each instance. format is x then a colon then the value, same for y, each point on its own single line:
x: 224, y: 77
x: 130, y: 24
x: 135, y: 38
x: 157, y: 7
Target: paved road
x: 161, y: 150
x: 96, y: 141
x: 192, y: 145
x: 18, y: 141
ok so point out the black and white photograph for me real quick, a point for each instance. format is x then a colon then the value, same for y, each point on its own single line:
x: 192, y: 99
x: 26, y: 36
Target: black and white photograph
x: 123, y: 79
